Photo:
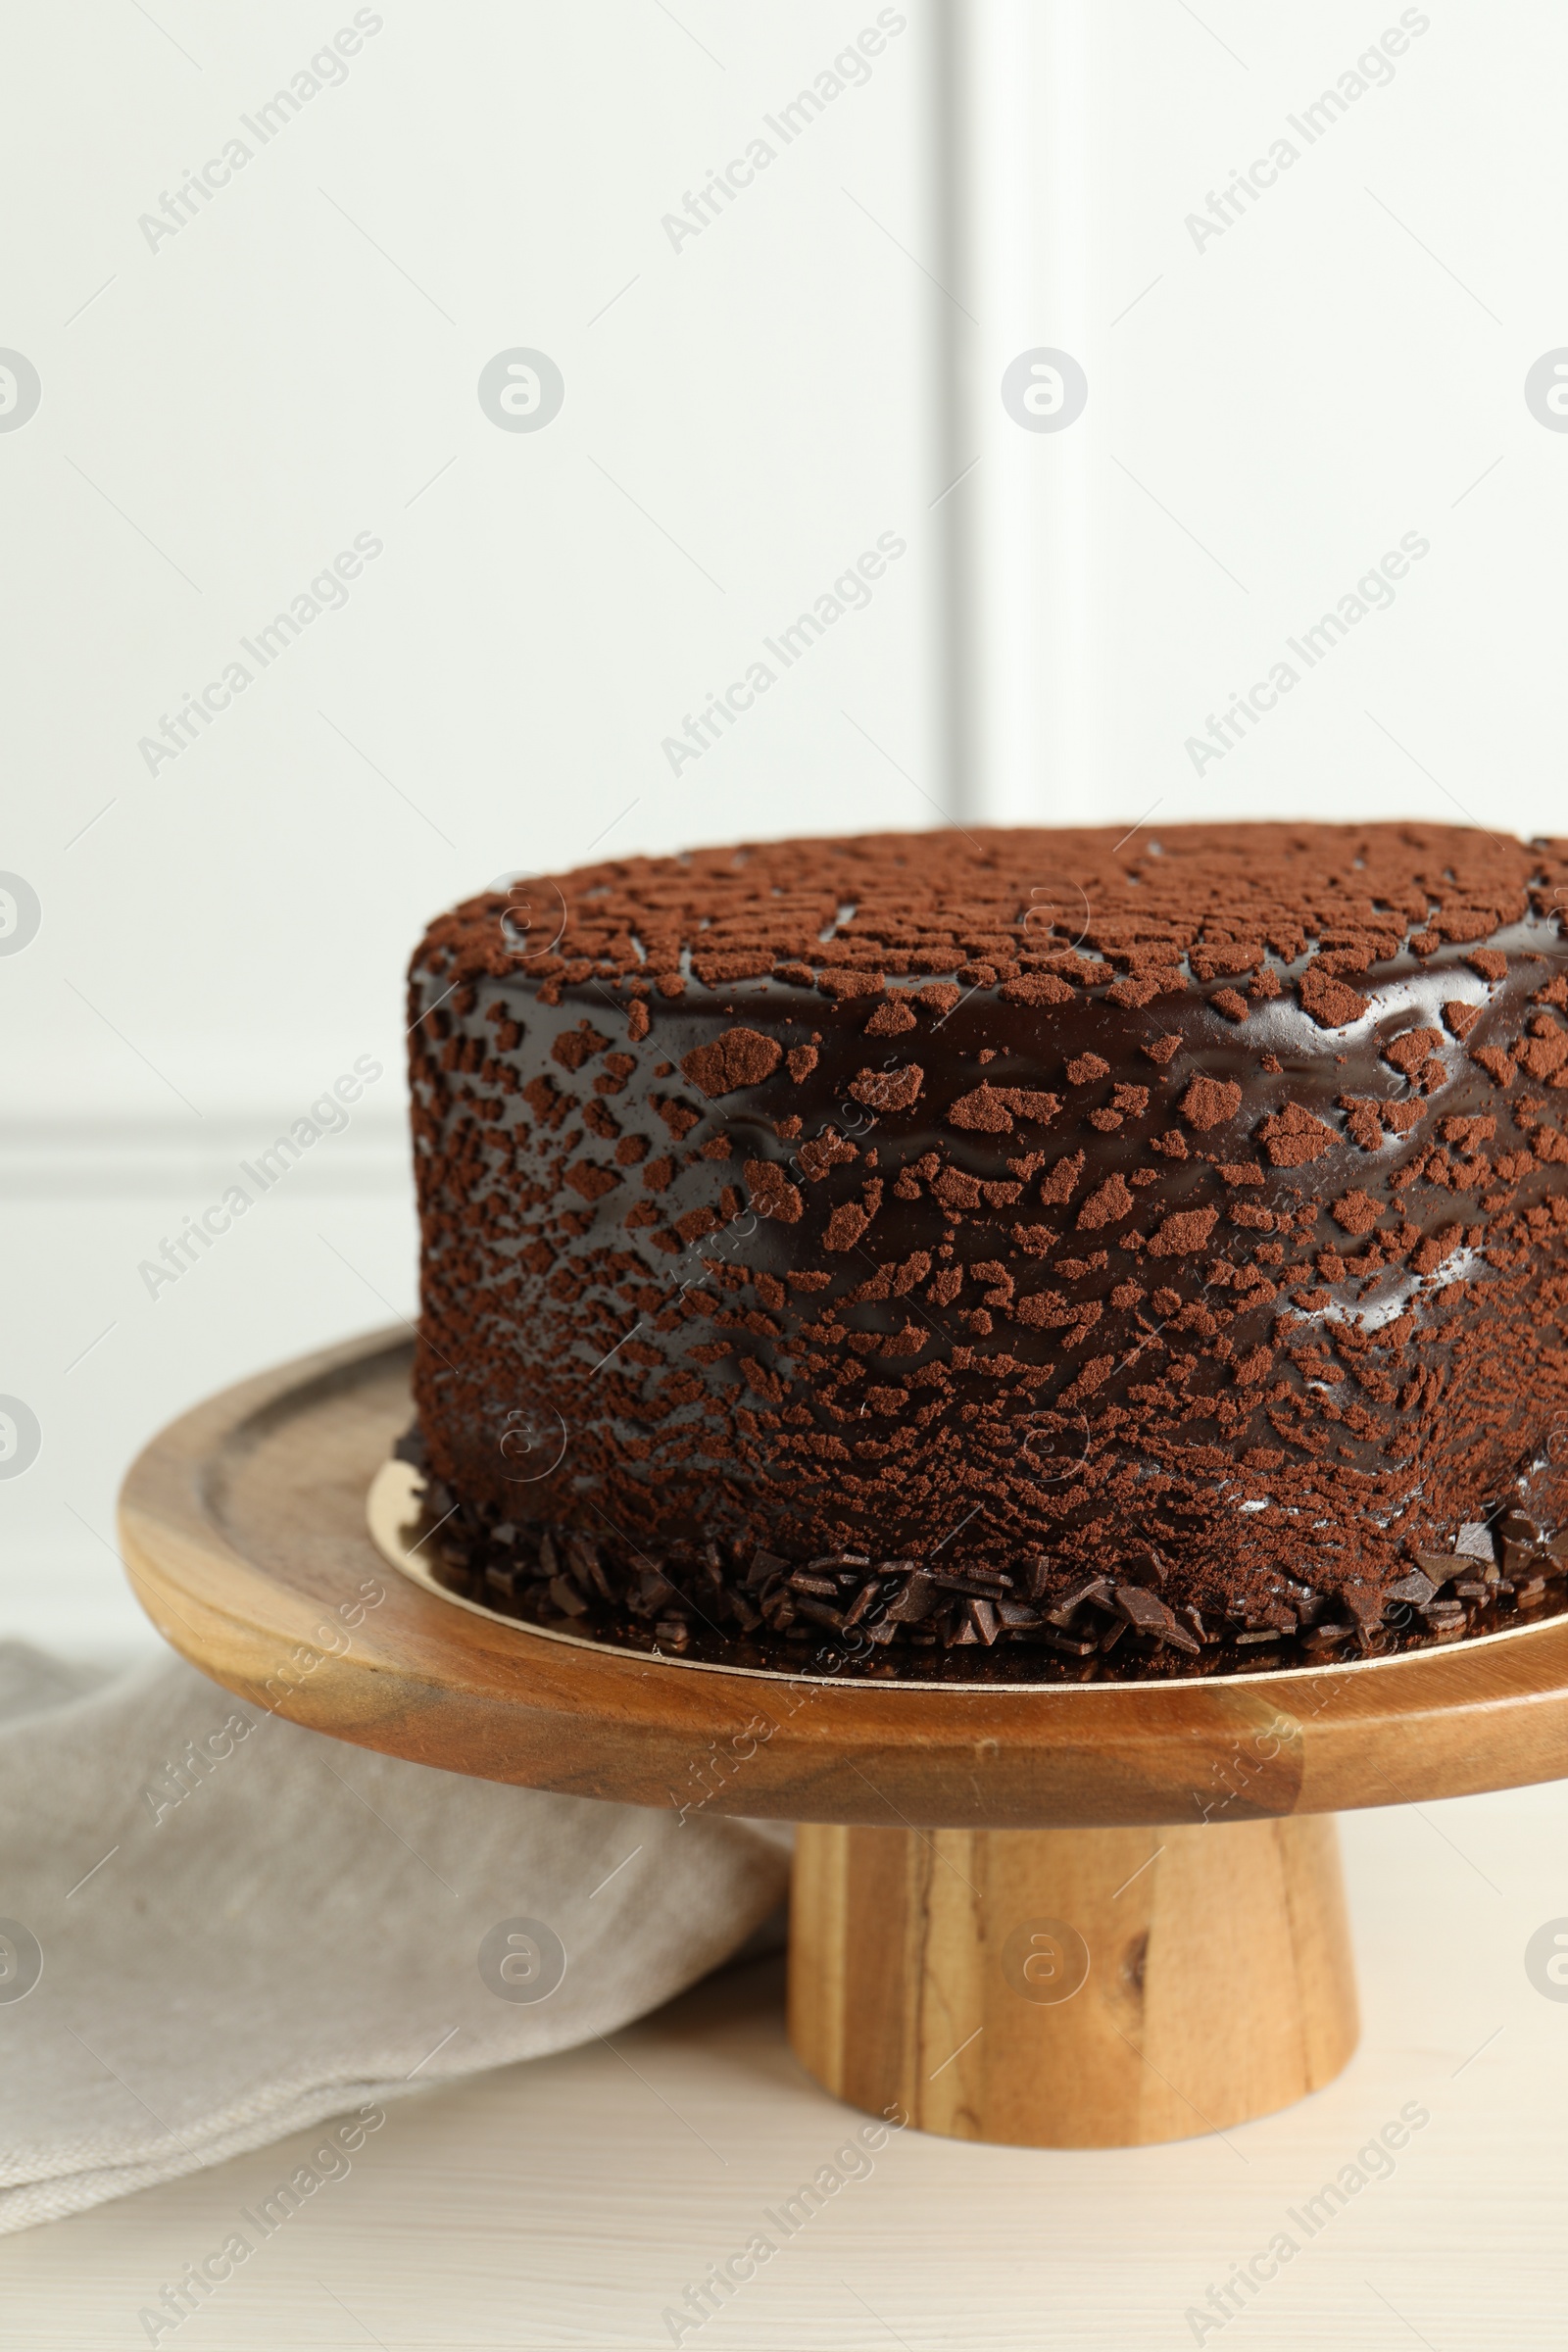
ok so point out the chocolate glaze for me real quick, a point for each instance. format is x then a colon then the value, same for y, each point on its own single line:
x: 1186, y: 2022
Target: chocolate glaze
x: 917, y: 1327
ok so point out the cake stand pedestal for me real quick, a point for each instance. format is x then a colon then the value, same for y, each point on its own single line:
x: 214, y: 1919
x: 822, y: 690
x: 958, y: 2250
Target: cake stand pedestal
x: 1072, y: 1988
x: 1067, y: 1915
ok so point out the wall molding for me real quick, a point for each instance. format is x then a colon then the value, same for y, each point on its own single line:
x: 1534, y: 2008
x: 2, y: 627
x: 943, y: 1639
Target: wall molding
x: 48, y: 1155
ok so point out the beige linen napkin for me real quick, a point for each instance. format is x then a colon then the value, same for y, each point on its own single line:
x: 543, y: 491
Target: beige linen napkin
x: 216, y: 1928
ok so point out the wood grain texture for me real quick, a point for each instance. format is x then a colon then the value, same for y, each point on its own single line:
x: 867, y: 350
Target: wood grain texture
x: 244, y: 1533
x: 937, y: 1978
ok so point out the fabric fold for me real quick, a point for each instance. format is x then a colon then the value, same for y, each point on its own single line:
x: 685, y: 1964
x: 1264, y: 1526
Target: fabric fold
x: 217, y: 1927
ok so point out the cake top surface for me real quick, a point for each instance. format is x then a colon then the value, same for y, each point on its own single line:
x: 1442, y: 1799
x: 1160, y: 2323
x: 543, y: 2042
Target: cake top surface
x: 1085, y: 906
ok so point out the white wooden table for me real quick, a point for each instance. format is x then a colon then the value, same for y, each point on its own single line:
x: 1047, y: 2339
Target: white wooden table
x: 571, y: 2202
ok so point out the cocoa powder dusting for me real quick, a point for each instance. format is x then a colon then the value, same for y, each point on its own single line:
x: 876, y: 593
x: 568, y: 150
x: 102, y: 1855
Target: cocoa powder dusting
x: 819, y: 1244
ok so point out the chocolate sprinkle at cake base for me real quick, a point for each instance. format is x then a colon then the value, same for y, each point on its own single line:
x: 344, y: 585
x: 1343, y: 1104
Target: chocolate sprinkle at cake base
x: 1019, y: 1254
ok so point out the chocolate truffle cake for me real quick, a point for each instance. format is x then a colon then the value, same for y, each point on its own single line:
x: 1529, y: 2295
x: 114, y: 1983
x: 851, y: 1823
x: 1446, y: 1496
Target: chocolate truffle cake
x: 1019, y: 1254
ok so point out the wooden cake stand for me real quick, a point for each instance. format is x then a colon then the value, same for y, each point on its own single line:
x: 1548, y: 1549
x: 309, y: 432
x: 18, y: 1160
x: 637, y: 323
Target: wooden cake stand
x: 1068, y: 1914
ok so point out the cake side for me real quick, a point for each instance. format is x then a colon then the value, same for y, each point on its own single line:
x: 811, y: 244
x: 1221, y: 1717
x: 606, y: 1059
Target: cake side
x: 1204, y: 1235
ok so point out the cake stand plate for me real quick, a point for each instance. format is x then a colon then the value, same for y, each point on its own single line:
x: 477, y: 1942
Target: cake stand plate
x: 1061, y: 1914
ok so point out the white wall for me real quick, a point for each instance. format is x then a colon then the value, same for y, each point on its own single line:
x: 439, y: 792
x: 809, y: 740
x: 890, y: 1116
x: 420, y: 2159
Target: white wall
x: 1273, y: 406
x: 221, y: 413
